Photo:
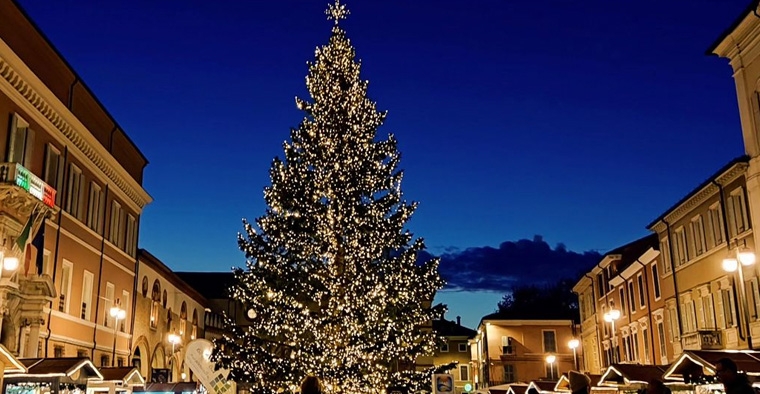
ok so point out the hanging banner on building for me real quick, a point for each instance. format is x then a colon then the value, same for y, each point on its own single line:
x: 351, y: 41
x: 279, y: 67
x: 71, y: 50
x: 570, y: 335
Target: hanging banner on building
x: 443, y: 383
x: 197, y: 359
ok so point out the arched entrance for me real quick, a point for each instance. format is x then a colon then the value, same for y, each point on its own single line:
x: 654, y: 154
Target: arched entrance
x: 159, y: 372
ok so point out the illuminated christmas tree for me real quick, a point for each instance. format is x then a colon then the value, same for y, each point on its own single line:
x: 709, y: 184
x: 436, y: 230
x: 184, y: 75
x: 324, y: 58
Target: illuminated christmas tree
x: 332, y: 284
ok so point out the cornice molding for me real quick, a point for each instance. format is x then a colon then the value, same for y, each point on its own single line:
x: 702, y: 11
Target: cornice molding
x: 84, y: 142
x: 702, y: 195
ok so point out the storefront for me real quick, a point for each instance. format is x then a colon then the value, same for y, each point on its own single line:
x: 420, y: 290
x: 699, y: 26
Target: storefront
x: 69, y: 375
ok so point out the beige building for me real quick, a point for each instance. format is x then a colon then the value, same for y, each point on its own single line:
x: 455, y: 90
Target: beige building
x: 168, y: 315
x: 75, y: 178
x: 455, y: 349
x: 511, y: 350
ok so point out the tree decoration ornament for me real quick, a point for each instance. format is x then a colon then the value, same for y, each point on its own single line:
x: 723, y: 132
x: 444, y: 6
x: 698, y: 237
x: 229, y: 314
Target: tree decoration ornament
x: 332, y: 284
x: 337, y: 11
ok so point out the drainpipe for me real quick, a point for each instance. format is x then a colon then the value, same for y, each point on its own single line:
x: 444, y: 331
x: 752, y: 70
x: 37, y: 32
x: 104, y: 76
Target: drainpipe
x: 70, y: 104
x: 100, y: 281
x: 673, y: 272
x: 57, y: 247
x: 740, y: 297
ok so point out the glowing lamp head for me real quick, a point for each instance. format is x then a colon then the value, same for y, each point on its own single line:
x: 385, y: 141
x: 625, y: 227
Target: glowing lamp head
x: 174, y: 339
x: 730, y: 264
x: 573, y: 344
x: 468, y: 387
x: 117, y: 313
x: 551, y: 359
x: 746, y: 257
x: 10, y: 263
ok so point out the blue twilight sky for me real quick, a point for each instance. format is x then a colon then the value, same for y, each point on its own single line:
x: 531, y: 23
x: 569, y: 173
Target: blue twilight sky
x: 580, y: 121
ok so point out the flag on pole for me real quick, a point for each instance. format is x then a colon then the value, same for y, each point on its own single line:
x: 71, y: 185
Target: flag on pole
x: 25, y: 235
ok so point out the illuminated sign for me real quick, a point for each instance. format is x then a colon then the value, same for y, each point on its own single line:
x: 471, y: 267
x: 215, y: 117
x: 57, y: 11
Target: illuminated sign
x: 23, y: 178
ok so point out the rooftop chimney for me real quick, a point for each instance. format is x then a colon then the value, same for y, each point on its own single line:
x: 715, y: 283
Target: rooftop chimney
x: 459, y: 320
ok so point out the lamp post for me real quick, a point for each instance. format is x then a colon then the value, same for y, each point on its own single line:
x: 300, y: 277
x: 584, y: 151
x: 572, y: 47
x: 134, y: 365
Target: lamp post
x: 117, y: 314
x: 174, y: 339
x: 550, y: 359
x: 741, y: 254
x: 573, y: 344
x: 610, y: 317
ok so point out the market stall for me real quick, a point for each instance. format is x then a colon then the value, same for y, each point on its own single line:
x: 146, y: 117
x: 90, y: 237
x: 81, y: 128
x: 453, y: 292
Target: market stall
x: 69, y: 375
x: 629, y: 378
x: 117, y: 380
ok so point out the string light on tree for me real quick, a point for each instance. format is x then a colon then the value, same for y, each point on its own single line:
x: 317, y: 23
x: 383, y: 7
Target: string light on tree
x: 332, y: 285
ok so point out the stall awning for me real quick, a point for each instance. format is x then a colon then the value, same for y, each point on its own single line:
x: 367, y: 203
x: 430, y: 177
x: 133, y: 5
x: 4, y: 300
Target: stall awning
x: 76, y: 368
x: 702, y: 362
x: 512, y: 388
x: 177, y: 388
x: 126, y: 376
x: 542, y: 386
x: 629, y: 374
x: 12, y: 364
x: 563, y: 384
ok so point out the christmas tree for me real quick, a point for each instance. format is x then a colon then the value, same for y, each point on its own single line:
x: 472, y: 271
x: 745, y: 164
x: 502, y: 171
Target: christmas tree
x: 332, y: 283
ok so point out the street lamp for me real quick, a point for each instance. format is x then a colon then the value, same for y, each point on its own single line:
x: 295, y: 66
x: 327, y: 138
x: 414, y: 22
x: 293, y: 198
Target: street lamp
x: 730, y: 264
x: 610, y: 317
x: 573, y: 344
x: 550, y: 359
x: 174, y: 339
x: 117, y: 314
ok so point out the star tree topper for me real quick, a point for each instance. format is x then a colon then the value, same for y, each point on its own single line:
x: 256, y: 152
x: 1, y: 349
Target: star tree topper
x: 336, y: 11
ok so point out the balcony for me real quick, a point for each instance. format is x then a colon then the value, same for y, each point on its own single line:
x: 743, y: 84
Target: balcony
x: 703, y: 340
x: 14, y: 174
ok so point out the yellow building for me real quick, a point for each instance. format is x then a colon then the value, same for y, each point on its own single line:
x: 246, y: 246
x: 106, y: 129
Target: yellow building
x: 455, y: 349
x: 75, y: 178
x: 513, y: 350
x: 168, y: 315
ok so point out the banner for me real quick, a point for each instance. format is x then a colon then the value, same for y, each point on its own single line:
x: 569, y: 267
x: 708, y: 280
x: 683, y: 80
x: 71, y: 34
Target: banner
x: 443, y: 383
x: 197, y: 359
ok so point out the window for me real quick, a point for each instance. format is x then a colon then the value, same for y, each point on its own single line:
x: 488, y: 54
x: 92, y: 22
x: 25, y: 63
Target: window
x: 58, y: 351
x: 464, y: 372
x: 631, y: 295
x: 642, y: 299
x: 120, y: 362
x: 645, y: 337
x: 183, y: 318
x: 75, y: 192
x: 665, y: 253
x: 95, y: 208
x: 86, y: 295
x: 622, y: 299
x: 444, y: 347
x: 689, y: 316
x: 754, y: 307
x: 656, y: 282
x: 673, y: 324
x: 600, y: 285
x: 728, y: 307
x: 45, y: 269
x: 715, y: 219
x: 552, y: 370
x: 109, y: 303
x: 681, y: 249
x: 131, y: 242
x: 550, y: 341
x: 65, y: 286
x: 708, y: 311
x: 698, y: 235
x: 125, y: 304
x: 661, y: 335
x: 194, y: 333
x: 115, y: 232
x: 21, y: 142
x: 462, y: 347
x: 104, y: 362
x: 54, y: 170
x: 156, y: 297
x: 635, y: 347
x: 737, y: 214
x: 510, y: 374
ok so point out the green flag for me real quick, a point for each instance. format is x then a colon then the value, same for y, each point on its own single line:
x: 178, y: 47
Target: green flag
x: 25, y: 233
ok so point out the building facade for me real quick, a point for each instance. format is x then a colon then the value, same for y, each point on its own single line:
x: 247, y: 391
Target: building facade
x: 168, y: 315
x: 650, y: 300
x: 70, y: 206
x: 512, y: 350
x: 455, y: 349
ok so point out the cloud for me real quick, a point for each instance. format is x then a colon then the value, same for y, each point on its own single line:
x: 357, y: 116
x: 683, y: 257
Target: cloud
x: 520, y: 262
